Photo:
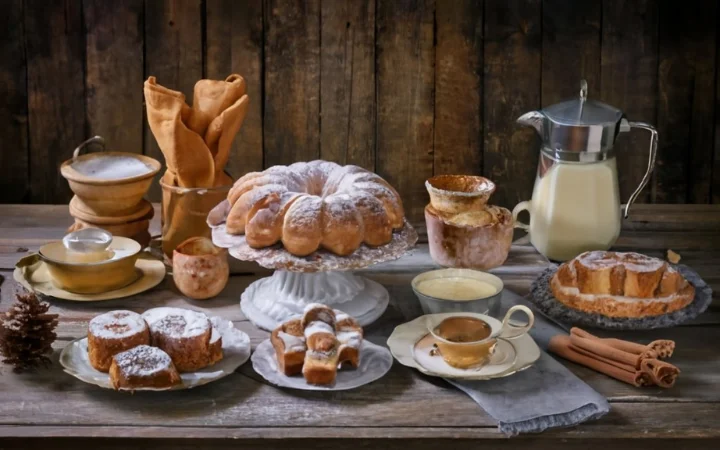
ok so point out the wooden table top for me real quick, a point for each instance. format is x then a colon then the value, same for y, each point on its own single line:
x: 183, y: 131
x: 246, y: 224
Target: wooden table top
x: 403, y: 409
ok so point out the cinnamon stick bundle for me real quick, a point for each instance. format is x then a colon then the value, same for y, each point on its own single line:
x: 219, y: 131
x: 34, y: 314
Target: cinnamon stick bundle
x: 629, y: 362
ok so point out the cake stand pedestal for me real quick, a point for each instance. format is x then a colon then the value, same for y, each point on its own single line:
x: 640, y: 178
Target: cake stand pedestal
x: 321, y: 277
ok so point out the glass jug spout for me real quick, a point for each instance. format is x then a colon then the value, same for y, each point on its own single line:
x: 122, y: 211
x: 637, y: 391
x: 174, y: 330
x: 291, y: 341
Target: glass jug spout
x: 533, y: 119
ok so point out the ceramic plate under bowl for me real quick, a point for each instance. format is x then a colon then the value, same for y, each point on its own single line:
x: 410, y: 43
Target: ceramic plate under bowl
x: 375, y: 362
x: 236, y: 351
x: 405, y: 337
x: 32, y: 273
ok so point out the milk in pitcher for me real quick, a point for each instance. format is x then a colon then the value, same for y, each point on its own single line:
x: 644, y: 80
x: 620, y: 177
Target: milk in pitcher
x: 575, y: 208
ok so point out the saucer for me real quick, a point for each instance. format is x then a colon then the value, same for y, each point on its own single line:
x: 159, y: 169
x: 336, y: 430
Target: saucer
x: 500, y: 362
x: 375, y: 362
x: 235, y: 346
x: 32, y: 273
x: 408, y: 337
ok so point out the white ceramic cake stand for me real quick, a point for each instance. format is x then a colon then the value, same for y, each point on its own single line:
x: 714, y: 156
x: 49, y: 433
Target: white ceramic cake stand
x: 321, y: 277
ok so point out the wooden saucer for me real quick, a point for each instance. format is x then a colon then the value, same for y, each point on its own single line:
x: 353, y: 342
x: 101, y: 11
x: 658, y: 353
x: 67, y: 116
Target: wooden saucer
x: 80, y: 211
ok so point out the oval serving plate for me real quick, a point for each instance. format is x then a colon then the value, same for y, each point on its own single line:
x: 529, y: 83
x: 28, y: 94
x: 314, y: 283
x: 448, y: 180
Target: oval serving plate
x: 404, y: 338
x: 236, y: 351
x: 375, y: 362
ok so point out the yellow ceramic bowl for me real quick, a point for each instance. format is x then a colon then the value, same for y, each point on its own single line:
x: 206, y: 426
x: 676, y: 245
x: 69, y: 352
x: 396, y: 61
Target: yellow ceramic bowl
x: 92, y: 273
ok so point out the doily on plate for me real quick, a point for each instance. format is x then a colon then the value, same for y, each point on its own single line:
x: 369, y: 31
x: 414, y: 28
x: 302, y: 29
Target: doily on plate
x: 541, y: 295
x: 276, y: 257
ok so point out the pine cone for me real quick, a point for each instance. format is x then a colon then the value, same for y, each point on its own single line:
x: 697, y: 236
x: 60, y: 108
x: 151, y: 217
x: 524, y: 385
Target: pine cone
x: 27, y: 332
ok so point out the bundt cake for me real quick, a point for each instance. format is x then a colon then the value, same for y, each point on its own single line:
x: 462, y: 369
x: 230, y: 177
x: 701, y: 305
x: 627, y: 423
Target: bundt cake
x: 315, y: 204
x: 618, y: 284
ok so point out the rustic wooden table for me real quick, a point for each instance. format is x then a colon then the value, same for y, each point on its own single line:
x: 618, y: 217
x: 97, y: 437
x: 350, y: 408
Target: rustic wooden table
x: 403, y: 410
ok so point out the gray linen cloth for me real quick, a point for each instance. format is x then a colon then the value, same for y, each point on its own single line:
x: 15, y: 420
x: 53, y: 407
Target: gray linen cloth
x: 547, y: 395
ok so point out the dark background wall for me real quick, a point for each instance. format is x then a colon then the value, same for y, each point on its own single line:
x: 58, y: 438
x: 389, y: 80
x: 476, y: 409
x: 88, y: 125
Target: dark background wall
x: 408, y: 88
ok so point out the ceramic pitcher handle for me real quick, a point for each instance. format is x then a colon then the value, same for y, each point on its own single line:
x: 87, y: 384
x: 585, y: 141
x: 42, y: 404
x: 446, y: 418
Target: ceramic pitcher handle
x: 509, y: 330
x: 93, y: 140
x: 522, y: 206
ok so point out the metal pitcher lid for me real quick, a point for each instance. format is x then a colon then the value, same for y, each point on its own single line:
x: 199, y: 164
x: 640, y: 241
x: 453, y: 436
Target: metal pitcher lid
x: 578, y: 129
x: 583, y: 112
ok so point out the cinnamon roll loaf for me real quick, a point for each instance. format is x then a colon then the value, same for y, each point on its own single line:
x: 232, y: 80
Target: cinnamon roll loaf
x: 618, y: 284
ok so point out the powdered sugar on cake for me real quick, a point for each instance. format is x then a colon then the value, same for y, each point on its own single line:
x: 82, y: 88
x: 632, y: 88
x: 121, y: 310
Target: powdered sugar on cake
x: 318, y: 327
x: 350, y: 338
x: 117, y: 325
x: 176, y: 322
x: 142, y: 361
x: 292, y: 343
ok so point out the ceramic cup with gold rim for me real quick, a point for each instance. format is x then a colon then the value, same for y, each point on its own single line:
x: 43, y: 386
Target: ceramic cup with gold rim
x: 468, y: 342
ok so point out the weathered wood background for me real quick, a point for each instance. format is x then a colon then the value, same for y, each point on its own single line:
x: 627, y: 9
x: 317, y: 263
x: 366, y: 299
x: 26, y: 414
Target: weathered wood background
x: 407, y: 88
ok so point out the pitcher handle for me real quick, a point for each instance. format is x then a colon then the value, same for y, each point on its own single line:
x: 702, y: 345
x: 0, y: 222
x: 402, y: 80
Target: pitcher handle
x: 93, y: 140
x: 520, y: 207
x: 651, y: 161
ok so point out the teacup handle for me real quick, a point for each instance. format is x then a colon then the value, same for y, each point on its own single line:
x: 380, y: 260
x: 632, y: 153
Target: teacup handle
x: 509, y: 330
x: 93, y: 140
x: 522, y: 206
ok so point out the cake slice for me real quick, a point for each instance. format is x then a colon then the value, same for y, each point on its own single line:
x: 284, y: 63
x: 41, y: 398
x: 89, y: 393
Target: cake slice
x: 288, y: 340
x: 143, y: 367
x: 350, y: 335
x: 323, y: 348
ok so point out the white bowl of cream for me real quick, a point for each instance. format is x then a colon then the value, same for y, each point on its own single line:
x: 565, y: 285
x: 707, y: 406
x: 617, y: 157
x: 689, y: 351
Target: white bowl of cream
x: 457, y: 290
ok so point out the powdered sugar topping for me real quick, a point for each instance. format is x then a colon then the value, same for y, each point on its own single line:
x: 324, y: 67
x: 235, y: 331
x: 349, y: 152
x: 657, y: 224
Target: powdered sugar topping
x: 142, y: 361
x: 350, y: 338
x: 177, y: 322
x: 117, y: 325
x: 292, y: 343
x: 632, y: 261
x: 318, y: 327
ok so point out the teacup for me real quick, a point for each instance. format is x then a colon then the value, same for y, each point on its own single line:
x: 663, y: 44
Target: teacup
x: 468, y: 341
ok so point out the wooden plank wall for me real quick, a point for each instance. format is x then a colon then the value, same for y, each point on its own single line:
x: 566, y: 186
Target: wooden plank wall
x: 407, y: 88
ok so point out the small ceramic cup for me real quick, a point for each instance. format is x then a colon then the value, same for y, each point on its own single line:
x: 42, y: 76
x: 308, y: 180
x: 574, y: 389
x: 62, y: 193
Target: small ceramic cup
x: 200, y: 269
x: 468, y: 342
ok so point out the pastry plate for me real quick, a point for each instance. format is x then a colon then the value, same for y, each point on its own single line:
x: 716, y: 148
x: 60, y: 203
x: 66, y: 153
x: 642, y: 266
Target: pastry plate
x: 542, y: 297
x: 375, y: 362
x: 236, y: 351
x: 276, y: 257
x: 32, y: 273
x: 410, y: 346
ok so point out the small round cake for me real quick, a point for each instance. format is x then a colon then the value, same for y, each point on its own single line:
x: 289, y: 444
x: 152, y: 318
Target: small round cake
x: 112, y: 333
x: 186, y: 335
x: 143, y: 367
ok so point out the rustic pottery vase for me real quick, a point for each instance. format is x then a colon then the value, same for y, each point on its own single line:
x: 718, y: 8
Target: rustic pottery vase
x: 463, y: 230
x: 200, y: 269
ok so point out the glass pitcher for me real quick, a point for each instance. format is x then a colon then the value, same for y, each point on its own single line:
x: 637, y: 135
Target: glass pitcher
x: 575, y: 205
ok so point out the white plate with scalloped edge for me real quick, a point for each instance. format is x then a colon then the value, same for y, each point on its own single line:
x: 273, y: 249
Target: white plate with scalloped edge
x: 235, y: 346
x: 375, y: 362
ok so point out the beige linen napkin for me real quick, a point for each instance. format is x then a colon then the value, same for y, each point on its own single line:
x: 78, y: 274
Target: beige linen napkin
x: 196, y: 142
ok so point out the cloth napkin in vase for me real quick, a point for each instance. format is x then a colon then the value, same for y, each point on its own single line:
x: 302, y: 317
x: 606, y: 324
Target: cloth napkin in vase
x: 547, y: 395
x: 196, y: 142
